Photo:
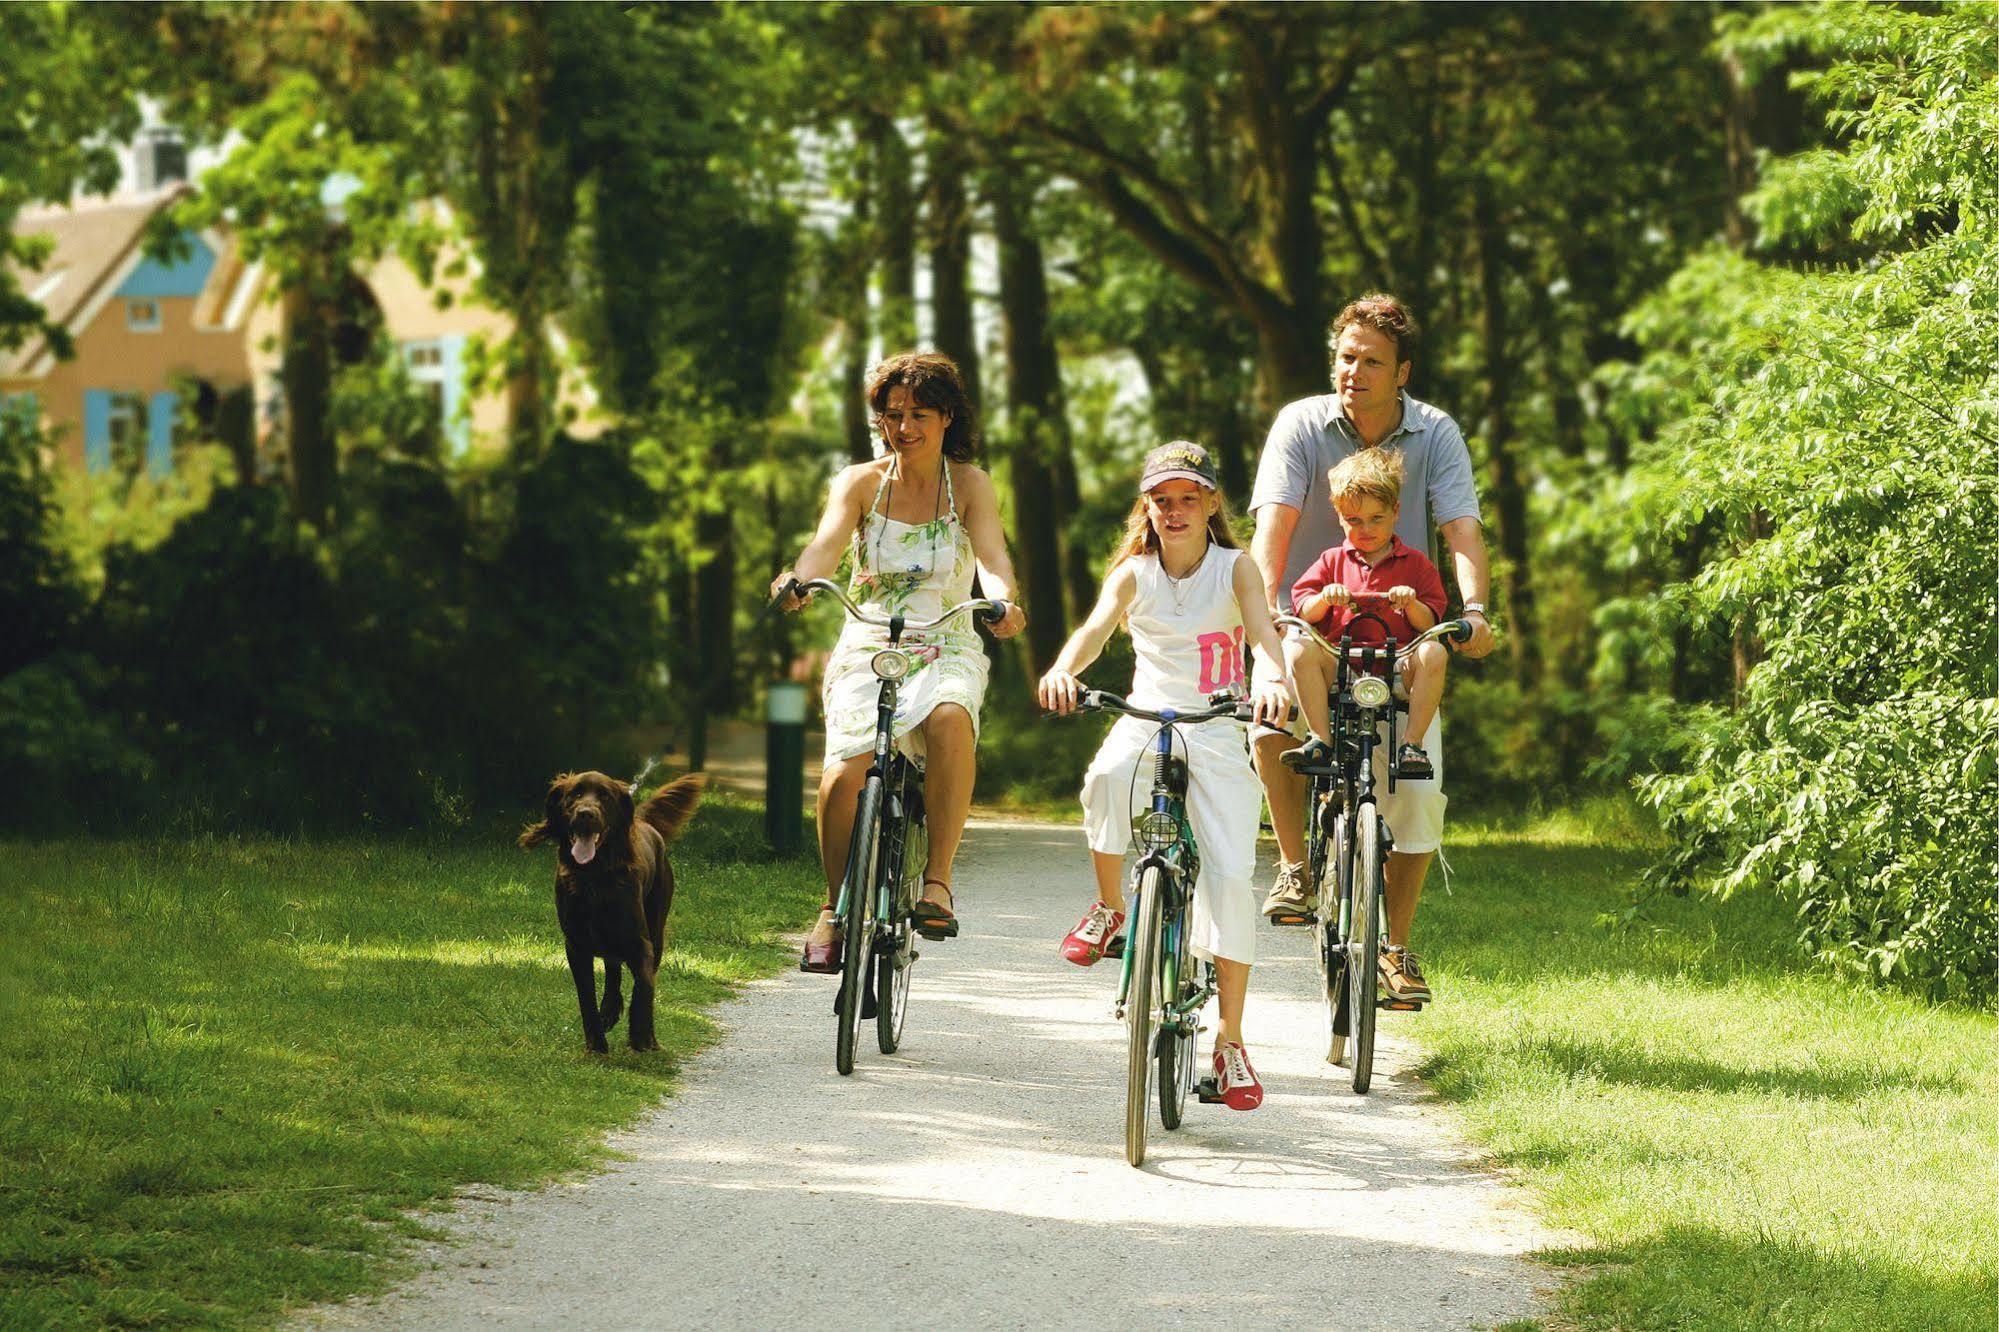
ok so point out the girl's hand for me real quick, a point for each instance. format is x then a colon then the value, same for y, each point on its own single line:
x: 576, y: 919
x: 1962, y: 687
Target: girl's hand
x: 1271, y: 703
x: 777, y: 586
x: 1402, y: 598
x: 1059, y: 691
x: 1012, y: 623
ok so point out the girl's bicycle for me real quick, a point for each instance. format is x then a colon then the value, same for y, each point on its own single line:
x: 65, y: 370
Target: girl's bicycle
x: 1162, y: 987
x: 1346, y: 835
x: 885, y: 859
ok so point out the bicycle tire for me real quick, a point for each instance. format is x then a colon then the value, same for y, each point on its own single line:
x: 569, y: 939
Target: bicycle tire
x: 863, y: 854
x: 892, y: 970
x: 1139, y: 1003
x: 1331, y: 947
x: 1174, y: 1065
x: 1365, y: 944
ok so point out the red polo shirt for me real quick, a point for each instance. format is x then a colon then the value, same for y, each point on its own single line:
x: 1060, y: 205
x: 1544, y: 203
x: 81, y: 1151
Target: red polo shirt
x: 1402, y: 566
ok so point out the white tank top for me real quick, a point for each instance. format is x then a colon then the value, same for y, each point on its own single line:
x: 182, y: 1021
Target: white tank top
x: 1187, y: 633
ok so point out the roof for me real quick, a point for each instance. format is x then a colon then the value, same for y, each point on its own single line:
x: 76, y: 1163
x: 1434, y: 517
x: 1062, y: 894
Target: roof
x: 98, y: 244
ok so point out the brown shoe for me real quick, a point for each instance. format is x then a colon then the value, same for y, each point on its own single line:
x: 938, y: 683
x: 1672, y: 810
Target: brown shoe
x: 1402, y: 977
x: 1287, y: 903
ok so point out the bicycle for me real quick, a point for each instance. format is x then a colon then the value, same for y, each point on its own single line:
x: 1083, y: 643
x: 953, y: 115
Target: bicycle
x: 1344, y: 826
x: 1162, y: 988
x: 890, y: 843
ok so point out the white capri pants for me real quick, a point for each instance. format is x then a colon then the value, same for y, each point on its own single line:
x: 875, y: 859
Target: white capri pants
x: 1224, y: 802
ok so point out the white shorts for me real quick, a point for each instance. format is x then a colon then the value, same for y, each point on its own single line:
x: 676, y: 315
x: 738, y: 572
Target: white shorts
x: 1224, y: 803
x: 1414, y: 810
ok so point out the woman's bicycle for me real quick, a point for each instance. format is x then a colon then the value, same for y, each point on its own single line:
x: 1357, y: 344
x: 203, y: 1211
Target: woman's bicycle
x: 885, y: 859
x: 1162, y: 987
x: 1346, y: 835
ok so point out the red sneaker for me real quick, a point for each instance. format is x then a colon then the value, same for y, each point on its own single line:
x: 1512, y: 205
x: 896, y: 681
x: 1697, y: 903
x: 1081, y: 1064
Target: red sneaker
x: 1235, y: 1079
x: 1085, y: 944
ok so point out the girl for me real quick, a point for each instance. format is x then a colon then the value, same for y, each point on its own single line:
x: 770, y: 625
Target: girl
x: 1187, y: 594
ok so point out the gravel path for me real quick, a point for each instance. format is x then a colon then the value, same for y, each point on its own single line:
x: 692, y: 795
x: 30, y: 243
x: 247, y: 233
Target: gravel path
x: 978, y: 1177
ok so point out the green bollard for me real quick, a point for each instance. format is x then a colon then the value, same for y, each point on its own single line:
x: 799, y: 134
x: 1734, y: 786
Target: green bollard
x: 784, y: 766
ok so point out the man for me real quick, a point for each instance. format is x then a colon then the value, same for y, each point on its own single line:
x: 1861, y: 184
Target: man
x: 1371, y: 342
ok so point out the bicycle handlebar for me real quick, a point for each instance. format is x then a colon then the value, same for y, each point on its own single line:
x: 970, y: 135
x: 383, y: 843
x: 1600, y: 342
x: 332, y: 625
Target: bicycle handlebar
x: 988, y: 611
x: 1457, y: 631
x: 1102, y: 700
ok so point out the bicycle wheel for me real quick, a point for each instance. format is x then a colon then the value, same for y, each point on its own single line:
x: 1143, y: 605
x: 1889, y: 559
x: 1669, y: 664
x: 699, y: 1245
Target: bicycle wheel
x: 1140, y: 1002
x: 1330, y: 863
x: 863, y: 854
x: 892, y: 967
x: 1364, y: 943
x: 1175, y: 1060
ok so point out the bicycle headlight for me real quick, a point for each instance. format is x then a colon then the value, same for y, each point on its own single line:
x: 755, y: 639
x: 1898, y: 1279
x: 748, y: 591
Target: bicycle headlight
x: 890, y: 664
x: 1370, y: 691
x: 1155, y: 830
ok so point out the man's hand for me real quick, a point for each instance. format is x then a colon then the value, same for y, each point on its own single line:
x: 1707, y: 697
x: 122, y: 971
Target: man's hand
x: 1059, y: 691
x: 1481, y: 641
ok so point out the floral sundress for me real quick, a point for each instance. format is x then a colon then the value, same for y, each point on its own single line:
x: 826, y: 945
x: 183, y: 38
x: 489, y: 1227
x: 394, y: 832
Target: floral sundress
x: 915, y: 570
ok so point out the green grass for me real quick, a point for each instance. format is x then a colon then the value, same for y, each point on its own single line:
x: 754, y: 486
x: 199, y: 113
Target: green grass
x: 234, y: 1075
x: 1742, y: 1140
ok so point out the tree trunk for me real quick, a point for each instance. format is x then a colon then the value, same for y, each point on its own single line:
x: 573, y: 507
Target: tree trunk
x: 308, y: 381
x: 950, y: 261
x: 1509, y: 491
x: 1038, y: 426
x: 896, y: 238
x: 527, y: 386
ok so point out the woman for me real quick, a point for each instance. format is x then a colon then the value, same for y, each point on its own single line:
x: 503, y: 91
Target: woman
x: 918, y: 521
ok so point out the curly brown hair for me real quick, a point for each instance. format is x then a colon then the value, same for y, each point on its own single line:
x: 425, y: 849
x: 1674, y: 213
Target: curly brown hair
x: 1385, y: 315
x: 933, y: 379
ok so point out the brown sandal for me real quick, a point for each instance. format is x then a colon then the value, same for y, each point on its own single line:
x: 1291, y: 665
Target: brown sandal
x: 934, y: 920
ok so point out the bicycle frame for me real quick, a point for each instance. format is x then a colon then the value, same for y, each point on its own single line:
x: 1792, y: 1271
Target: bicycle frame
x: 1179, y: 865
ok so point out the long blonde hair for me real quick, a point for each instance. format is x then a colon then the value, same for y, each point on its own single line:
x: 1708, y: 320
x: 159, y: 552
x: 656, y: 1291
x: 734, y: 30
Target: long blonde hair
x: 1138, y: 538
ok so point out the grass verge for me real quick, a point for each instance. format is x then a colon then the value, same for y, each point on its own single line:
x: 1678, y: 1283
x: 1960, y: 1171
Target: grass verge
x: 1743, y: 1141
x: 234, y: 1074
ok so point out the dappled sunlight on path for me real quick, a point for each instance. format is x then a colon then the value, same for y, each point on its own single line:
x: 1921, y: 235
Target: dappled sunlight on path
x: 978, y: 1177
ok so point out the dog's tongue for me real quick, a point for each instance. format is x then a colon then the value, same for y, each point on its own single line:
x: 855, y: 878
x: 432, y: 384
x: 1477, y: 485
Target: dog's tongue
x: 583, y: 850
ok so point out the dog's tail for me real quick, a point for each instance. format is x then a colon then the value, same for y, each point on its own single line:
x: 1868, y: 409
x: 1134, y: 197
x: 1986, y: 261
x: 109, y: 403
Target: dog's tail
x: 673, y: 805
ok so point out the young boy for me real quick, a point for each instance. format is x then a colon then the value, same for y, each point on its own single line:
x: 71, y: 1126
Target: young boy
x: 1394, y: 582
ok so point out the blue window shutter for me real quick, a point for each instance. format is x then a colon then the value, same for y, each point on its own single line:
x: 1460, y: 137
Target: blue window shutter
x: 457, y: 421
x: 96, y: 430
x: 160, y: 434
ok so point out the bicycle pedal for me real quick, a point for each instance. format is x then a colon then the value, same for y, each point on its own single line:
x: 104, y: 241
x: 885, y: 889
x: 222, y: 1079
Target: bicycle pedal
x: 1399, y: 1005
x: 1115, y: 948
x: 1209, y: 1091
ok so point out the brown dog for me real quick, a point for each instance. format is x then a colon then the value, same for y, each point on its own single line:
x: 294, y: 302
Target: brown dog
x: 613, y: 888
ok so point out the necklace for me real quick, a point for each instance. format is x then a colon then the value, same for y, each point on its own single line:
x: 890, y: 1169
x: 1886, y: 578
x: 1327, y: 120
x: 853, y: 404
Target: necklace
x: 1174, y: 585
x: 887, y: 501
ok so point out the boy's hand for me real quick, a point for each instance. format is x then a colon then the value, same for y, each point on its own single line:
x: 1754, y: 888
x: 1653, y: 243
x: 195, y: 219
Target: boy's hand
x: 1059, y: 691
x: 1402, y: 598
x: 1271, y: 703
x: 1332, y: 597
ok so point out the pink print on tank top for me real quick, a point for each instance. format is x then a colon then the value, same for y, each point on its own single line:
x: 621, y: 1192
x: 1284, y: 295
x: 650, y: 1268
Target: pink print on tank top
x: 1221, y: 660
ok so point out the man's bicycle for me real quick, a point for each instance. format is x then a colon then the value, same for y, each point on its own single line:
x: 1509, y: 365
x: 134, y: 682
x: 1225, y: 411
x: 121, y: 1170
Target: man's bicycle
x: 1347, y: 836
x: 885, y: 859
x: 1162, y: 987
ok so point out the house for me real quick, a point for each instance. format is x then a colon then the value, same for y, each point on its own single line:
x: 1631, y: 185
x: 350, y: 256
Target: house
x: 204, y: 322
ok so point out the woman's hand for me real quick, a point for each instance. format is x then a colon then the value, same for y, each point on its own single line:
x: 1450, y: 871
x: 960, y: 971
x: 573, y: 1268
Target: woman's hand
x: 777, y: 592
x: 1271, y: 703
x: 1059, y: 691
x: 1011, y: 623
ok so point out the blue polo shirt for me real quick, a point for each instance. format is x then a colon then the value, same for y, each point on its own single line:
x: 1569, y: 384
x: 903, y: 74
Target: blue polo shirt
x: 1313, y: 435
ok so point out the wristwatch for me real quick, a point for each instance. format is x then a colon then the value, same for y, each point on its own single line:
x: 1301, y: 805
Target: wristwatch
x: 1478, y: 606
